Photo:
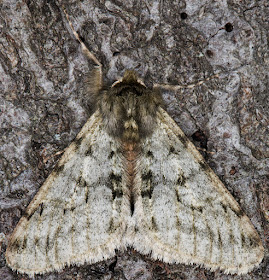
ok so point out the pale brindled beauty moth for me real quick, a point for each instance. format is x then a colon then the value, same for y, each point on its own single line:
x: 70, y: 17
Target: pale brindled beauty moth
x: 132, y: 179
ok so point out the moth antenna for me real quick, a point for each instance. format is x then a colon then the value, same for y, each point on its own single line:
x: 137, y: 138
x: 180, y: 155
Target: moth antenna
x: 87, y: 52
x: 177, y: 87
x: 94, y: 81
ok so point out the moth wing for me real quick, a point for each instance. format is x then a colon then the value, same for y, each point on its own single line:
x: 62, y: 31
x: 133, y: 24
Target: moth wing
x: 79, y: 213
x: 184, y: 214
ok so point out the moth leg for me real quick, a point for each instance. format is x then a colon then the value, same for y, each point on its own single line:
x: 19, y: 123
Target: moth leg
x: 97, y: 73
x: 177, y: 87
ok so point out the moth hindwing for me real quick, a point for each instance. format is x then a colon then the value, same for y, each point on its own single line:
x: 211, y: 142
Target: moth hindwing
x: 132, y: 178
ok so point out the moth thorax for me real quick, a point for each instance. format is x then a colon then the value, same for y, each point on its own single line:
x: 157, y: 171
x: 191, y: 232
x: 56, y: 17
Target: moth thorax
x: 129, y: 109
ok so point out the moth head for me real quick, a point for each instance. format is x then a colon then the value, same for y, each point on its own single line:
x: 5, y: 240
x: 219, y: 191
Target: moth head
x: 129, y: 108
x: 129, y: 77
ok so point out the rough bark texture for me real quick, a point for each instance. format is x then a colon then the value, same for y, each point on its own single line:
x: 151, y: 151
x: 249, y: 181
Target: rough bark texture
x: 43, y: 103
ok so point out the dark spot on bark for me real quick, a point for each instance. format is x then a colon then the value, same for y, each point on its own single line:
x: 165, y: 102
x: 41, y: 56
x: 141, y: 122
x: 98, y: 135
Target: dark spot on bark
x: 116, y: 53
x: 154, y: 225
x: 228, y: 27
x: 35, y: 145
x: 209, y: 53
x: 81, y: 38
x: 233, y: 170
x: 183, y: 15
x: 17, y: 194
x: 105, y: 21
x: 64, y: 211
x: 200, y: 137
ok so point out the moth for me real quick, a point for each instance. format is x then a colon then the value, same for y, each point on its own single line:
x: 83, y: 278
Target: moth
x: 131, y: 178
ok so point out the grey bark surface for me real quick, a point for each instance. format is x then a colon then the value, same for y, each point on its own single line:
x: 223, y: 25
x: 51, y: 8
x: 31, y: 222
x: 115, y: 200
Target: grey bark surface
x: 43, y: 103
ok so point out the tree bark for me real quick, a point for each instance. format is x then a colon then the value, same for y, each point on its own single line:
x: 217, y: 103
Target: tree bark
x: 43, y: 101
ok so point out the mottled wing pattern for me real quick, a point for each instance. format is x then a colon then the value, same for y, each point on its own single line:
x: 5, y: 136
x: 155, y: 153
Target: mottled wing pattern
x: 184, y: 214
x: 79, y: 214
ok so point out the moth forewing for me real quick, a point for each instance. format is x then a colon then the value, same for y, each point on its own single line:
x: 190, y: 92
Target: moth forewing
x: 80, y: 212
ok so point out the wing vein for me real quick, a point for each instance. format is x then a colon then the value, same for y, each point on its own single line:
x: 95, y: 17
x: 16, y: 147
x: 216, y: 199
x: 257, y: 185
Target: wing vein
x: 194, y: 233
